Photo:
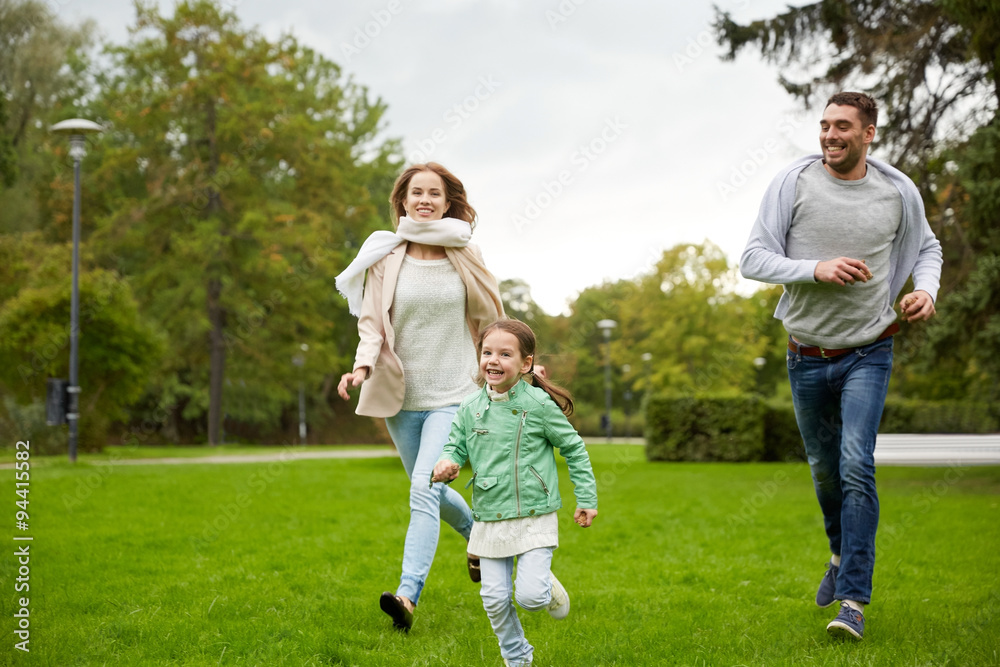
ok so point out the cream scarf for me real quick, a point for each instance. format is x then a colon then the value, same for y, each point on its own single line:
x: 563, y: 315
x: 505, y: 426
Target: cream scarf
x: 451, y: 233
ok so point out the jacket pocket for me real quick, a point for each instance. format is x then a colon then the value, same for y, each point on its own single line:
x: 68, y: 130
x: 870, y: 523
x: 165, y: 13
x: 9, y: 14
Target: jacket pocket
x: 486, y: 483
x: 540, y: 480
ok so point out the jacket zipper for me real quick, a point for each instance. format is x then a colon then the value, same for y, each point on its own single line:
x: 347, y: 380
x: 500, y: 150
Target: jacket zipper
x: 539, y: 478
x: 517, y: 458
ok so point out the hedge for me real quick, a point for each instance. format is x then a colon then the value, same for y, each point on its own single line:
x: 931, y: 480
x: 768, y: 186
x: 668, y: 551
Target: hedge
x: 748, y: 428
x: 705, y: 428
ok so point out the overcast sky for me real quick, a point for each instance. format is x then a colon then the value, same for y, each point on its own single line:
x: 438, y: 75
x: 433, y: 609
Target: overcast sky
x: 591, y: 135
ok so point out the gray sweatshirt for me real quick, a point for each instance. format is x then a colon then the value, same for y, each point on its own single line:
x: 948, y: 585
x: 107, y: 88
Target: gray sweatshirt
x: 789, y: 239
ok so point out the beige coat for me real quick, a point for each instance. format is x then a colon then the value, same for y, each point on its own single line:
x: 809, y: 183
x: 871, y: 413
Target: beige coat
x: 383, y: 390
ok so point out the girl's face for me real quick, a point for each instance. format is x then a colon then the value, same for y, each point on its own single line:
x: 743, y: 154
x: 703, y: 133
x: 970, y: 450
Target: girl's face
x: 500, y: 360
x: 425, y: 197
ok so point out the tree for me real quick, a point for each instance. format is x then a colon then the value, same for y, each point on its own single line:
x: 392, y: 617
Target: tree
x: 701, y: 336
x: 933, y: 66
x: 966, y: 340
x: 43, y: 60
x: 118, y: 348
x: 233, y: 181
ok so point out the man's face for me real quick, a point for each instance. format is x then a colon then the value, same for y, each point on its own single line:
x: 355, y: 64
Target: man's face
x: 844, y: 139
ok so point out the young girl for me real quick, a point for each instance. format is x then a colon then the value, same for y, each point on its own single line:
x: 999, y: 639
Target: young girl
x: 426, y: 298
x: 508, y: 431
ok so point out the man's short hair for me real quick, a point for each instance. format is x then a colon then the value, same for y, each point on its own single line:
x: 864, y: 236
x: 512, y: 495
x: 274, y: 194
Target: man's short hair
x: 867, y: 109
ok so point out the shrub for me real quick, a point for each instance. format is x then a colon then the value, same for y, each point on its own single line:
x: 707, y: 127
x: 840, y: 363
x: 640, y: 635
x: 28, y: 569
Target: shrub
x: 705, y: 428
x: 916, y: 416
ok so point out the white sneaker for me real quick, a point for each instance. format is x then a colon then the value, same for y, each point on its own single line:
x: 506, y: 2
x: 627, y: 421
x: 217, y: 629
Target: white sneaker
x: 511, y: 664
x: 559, y: 606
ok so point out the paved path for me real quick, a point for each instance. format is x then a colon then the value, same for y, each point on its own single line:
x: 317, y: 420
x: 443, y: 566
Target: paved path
x: 904, y: 449
x: 900, y: 449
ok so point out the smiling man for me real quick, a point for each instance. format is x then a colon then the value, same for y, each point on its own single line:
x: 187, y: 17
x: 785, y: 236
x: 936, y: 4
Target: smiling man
x: 842, y: 233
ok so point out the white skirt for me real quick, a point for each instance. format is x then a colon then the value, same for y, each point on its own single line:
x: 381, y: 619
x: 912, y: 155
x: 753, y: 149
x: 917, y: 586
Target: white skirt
x: 513, y: 537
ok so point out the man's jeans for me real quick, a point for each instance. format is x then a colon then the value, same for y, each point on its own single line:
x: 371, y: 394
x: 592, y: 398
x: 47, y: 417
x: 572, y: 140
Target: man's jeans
x: 838, y: 406
x: 420, y: 438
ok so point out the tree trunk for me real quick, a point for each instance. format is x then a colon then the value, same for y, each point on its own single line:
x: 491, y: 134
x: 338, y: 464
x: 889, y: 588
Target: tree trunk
x: 217, y: 359
x: 216, y: 311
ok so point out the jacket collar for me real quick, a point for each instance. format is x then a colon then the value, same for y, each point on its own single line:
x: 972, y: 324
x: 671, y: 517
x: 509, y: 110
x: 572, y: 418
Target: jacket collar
x: 517, y: 392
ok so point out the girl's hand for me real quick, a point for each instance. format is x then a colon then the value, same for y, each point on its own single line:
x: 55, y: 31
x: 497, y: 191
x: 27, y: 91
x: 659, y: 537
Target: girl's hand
x: 353, y: 379
x: 445, y: 471
x: 584, y: 517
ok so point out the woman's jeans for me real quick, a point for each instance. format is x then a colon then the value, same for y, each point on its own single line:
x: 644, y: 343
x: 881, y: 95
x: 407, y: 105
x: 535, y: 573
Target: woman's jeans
x: 420, y: 438
x: 533, y: 592
x: 838, y: 406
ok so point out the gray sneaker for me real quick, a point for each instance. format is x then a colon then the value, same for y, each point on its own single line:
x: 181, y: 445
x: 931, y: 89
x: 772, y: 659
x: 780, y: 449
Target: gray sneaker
x: 559, y: 606
x: 849, y: 624
x: 827, y: 587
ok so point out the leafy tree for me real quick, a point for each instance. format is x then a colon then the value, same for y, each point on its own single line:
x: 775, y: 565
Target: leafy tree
x: 684, y: 313
x: 118, y: 348
x: 235, y: 178
x: 695, y: 323
x: 43, y: 65
x: 966, y: 340
x: 933, y: 66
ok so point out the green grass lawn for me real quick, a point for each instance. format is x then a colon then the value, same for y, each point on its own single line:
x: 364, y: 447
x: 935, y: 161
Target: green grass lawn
x: 282, y: 563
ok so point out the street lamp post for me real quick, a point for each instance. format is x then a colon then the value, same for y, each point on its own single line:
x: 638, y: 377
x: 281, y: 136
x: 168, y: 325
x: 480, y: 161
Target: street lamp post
x: 646, y: 358
x: 606, y: 326
x: 627, y: 395
x: 300, y: 361
x: 76, y: 128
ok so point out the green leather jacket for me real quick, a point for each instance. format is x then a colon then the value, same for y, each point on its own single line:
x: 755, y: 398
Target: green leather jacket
x: 510, y: 446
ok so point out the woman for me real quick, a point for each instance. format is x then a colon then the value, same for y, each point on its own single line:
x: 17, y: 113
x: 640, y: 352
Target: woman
x: 426, y: 298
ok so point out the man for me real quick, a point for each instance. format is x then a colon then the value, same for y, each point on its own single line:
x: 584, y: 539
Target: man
x: 842, y: 233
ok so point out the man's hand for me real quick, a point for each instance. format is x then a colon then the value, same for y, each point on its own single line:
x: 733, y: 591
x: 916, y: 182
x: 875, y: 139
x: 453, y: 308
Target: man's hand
x: 842, y: 271
x: 353, y: 379
x: 584, y: 518
x: 916, y: 306
x: 445, y: 471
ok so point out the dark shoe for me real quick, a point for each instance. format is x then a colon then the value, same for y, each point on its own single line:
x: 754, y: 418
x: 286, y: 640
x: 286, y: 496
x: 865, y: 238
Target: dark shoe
x: 827, y: 587
x: 474, y: 572
x: 402, y: 618
x: 849, y: 624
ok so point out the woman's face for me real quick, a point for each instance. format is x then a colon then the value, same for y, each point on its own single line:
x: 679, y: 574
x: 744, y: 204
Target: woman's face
x: 425, y: 197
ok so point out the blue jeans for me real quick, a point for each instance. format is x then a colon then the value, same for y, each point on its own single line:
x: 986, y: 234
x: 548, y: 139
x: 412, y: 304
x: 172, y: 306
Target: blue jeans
x: 533, y: 592
x: 838, y: 407
x: 420, y: 438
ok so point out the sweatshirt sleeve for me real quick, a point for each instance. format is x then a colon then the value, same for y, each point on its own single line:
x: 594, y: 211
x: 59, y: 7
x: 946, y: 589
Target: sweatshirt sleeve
x: 564, y: 437
x: 764, y: 257
x: 927, y: 268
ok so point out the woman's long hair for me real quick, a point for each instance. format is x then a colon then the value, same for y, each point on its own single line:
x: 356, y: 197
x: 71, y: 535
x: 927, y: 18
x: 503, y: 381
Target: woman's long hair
x: 526, y: 342
x: 454, y: 192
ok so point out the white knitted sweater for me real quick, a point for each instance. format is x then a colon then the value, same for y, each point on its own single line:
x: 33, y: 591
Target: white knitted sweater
x: 432, y: 335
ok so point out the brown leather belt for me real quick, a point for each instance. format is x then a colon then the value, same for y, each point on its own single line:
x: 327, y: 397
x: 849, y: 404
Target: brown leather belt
x: 828, y: 353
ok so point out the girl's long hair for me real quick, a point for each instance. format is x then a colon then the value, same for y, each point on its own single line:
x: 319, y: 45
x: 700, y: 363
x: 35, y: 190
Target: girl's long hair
x: 454, y: 192
x: 526, y: 342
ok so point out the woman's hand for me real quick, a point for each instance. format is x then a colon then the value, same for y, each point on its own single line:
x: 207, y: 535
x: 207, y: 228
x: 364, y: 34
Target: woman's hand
x: 445, y: 471
x: 584, y: 518
x: 353, y: 380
